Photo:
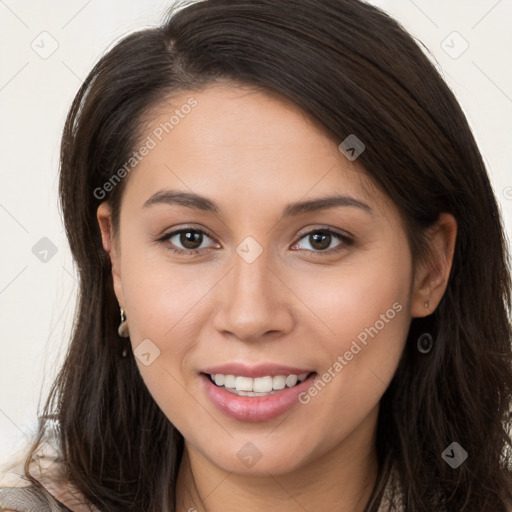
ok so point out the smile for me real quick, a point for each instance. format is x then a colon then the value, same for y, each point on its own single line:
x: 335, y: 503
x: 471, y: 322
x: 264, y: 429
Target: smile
x: 255, y: 399
x: 260, y: 386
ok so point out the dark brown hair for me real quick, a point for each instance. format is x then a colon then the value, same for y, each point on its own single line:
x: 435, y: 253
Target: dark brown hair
x: 355, y: 70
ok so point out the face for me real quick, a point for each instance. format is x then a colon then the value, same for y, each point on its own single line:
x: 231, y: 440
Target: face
x: 256, y: 278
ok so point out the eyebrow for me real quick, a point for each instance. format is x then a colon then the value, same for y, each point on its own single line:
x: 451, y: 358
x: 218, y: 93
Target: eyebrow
x: 191, y: 200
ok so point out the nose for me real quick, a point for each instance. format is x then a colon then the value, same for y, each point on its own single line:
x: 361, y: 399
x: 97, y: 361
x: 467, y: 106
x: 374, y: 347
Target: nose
x: 255, y: 304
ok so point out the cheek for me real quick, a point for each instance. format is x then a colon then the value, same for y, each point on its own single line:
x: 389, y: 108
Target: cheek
x: 163, y: 303
x: 362, y: 291
x: 363, y: 317
x: 160, y: 295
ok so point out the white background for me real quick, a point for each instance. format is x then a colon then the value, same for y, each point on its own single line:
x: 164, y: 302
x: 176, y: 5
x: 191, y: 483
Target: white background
x: 37, y: 299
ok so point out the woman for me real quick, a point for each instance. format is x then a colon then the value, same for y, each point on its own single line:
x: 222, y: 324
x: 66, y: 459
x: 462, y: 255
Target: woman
x: 293, y: 279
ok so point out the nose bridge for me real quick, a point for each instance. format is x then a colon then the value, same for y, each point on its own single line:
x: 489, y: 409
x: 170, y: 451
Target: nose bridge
x: 251, y: 279
x: 251, y: 303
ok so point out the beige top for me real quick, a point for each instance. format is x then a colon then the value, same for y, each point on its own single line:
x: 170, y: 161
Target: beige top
x: 18, y: 494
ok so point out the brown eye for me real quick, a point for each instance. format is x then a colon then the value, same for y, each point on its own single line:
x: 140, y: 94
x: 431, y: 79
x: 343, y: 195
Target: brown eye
x: 190, y: 239
x: 321, y: 240
x: 186, y: 241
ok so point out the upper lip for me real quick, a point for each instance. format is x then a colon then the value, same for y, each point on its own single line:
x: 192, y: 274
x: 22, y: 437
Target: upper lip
x: 259, y: 370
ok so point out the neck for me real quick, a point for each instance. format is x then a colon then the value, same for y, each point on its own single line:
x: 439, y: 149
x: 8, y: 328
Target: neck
x: 342, y: 479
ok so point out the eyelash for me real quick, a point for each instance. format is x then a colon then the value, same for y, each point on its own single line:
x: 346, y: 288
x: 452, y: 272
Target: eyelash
x: 346, y: 241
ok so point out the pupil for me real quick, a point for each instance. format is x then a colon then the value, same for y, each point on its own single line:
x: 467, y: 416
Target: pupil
x: 189, y: 238
x: 320, y: 239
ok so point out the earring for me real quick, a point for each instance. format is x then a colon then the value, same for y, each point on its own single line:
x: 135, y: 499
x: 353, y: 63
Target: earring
x: 122, y: 330
x: 425, y: 343
x: 427, y: 304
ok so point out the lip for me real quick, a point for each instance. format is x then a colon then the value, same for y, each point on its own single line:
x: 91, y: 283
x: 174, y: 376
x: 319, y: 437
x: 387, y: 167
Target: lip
x: 254, y: 409
x: 260, y: 370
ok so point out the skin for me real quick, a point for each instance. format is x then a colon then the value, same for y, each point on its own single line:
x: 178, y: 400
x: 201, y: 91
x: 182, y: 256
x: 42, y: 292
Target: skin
x: 253, y: 154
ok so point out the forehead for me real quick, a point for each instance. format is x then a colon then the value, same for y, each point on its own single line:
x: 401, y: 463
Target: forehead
x: 239, y: 143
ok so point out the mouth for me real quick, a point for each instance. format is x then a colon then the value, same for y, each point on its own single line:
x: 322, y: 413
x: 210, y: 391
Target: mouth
x: 259, y: 386
x: 255, y: 399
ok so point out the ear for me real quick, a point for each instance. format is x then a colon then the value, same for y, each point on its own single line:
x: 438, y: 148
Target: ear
x: 111, y: 245
x: 431, y: 278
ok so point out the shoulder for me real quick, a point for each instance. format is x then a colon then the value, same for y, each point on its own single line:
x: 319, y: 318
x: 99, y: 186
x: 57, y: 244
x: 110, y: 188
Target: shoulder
x: 50, y: 489
x: 19, y: 494
x: 50, y: 492
x: 28, y: 499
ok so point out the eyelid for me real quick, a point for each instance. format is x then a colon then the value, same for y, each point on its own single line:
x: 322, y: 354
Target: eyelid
x: 329, y: 229
x: 189, y: 227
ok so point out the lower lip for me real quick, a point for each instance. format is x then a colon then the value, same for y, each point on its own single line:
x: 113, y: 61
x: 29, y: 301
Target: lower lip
x: 254, y: 409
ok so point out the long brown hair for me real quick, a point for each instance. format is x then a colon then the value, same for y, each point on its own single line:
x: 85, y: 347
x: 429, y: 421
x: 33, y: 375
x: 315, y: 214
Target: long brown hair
x: 355, y: 70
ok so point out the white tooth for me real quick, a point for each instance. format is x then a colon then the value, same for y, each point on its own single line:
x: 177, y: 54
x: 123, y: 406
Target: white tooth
x: 279, y: 382
x: 229, y: 381
x: 291, y: 380
x: 248, y: 393
x: 259, y: 386
x: 243, y: 384
x: 262, y: 384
